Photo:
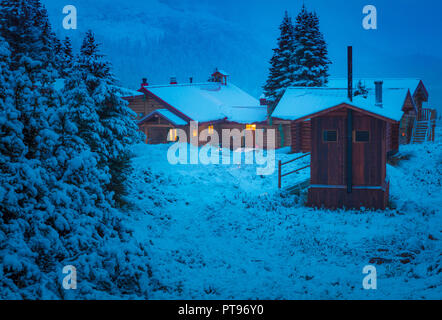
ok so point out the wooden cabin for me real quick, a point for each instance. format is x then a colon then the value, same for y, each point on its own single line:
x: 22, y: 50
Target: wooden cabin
x: 413, y: 115
x: 349, y: 143
x: 215, y: 105
x: 348, y: 159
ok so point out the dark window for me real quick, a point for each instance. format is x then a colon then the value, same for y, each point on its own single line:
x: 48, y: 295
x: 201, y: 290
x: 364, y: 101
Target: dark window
x: 330, y: 136
x: 362, y: 136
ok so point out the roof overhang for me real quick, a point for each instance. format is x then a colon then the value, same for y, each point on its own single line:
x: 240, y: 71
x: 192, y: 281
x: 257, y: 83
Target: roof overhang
x: 348, y: 106
x: 157, y: 113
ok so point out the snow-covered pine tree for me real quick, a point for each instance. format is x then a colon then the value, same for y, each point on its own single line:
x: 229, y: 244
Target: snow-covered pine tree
x: 361, y: 90
x: 12, y: 148
x: 54, y: 205
x: 282, y: 63
x: 311, y: 53
x: 66, y: 57
x: 119, y: 131
x: 30, y: 77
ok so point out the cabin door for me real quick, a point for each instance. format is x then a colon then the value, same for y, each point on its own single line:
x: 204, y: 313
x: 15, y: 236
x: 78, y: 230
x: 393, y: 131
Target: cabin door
x: 157, y: 135
x: 328, y: 150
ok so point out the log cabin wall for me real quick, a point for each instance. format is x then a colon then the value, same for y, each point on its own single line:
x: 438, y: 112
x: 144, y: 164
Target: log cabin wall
x: 156, y: 130
x: 143, y: 105
x: 329, y: 164
x: 301, y: 136
x: 265, y: 144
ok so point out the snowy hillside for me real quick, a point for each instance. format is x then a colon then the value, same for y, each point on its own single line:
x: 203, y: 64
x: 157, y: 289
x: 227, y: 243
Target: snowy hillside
x: 221, y: 232
x: 159, y: 39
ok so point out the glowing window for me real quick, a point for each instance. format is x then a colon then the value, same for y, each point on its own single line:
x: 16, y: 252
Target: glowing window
x: 195, y: 133
x: 251, y: 127
x: 210, y: 128
x: 172, y: 136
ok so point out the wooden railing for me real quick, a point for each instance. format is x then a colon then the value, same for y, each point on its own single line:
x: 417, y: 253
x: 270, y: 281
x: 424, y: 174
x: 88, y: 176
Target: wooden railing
x: 426, y: 114
x: 429, y: 116
x: 280, y: 164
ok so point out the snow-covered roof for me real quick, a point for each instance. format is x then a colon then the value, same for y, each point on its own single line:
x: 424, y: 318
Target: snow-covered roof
x: 173, y: 118
x: 222, y: 72
x: 211, y: 101
x: 301, y: 102
x: 389, y: 83
x: 246, y: 114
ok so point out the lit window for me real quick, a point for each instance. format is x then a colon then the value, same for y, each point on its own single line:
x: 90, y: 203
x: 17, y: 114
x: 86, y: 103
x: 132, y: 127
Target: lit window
x: 195, y: 133
x: 330, y: 136
x: 251, y: 127
x: 210, y: 129
x: 172, y: 136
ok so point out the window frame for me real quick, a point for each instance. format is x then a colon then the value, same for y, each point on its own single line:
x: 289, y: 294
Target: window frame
x: 354, y: 136
x: 327, y: 141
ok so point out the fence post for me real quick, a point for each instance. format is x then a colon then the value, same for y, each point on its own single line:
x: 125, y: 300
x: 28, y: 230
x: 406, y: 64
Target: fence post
x: 279, y: 174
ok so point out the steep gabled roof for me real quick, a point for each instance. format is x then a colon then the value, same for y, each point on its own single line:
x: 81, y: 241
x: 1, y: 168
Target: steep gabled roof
x: 301, y: 102
x: 211, y: 101
x: 409, y: 103
x: 421, y: 88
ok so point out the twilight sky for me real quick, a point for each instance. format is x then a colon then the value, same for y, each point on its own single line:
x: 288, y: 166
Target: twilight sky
x: 407, y: 43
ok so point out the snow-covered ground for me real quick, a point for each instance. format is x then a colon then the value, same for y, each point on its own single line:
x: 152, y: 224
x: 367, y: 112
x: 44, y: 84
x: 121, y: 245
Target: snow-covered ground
x: 224, y: 232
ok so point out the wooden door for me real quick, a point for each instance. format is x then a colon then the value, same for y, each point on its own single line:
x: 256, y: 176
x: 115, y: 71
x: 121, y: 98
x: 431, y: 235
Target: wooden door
x: 328, y: 136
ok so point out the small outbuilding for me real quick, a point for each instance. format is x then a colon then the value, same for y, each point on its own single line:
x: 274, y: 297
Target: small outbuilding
x: 349, y: 143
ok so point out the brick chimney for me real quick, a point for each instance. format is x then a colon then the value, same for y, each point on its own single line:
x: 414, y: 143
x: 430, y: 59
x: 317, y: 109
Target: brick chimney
x: 173, y: 80
x: 144, y: 82
x: 262, y: 101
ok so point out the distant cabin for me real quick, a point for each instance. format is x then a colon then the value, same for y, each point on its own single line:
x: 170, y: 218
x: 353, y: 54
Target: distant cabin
x: 416, y: 123
x: 216, y: 104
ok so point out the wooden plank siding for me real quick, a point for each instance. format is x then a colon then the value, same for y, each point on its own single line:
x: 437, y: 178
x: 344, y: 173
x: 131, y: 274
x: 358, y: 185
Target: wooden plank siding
x: 329, y: 164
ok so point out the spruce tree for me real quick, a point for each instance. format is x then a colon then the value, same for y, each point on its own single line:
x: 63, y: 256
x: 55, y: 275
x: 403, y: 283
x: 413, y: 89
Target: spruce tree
x: 12, y: 147
x: 118, y: 129
x: 66, y: 57
x: 311, y: 53
x: 282, y: 63
x: 54, y: 198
